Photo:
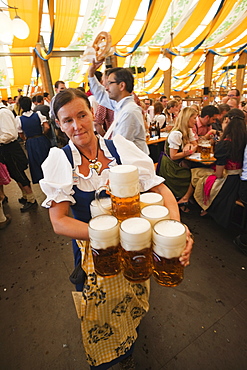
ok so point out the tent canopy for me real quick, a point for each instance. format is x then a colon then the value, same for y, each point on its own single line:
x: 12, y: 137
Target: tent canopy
x: 141, y: 30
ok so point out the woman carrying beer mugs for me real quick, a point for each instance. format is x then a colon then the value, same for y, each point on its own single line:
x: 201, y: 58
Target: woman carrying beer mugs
x: 112, y: 307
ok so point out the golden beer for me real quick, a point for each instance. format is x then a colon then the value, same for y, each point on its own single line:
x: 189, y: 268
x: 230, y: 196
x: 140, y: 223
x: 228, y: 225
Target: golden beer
x: 124, y: 191
x: 205, y: 151
x: 169, y: 241
x: 137, y: 265
x: 167, y: 272
x: 104, y: 239
x: 107, y: 262
x: 135, y: 239
x: 123, y: 208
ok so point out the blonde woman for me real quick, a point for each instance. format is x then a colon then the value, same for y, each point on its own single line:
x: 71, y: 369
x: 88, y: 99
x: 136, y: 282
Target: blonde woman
x: 180, y: 143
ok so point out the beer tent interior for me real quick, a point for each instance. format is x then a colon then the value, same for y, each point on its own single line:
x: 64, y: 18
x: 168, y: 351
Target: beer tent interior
x: 144, y: 34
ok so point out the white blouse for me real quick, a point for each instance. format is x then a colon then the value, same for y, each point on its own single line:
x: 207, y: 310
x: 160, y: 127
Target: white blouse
x: 59, y: 178
x: 29, y: 114
x: 175, y: 139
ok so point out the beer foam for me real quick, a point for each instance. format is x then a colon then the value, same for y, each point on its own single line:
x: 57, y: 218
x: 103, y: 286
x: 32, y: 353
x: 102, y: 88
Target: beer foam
x: 170, y: 228
x: 151, y: 198
x: 124, y: 168
x: 135, y: 234
x: 103, y: 222
x: 124, y: 181
x: 135, y: 225
x: 96, y: 210
x: 155, y: 211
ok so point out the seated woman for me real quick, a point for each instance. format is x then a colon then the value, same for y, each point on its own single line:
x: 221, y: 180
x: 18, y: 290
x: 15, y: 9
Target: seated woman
x: 216, y: 189
x: 179, y: 144
x: 159, y: 116
x: 71, y: 180
x: 171, y: 112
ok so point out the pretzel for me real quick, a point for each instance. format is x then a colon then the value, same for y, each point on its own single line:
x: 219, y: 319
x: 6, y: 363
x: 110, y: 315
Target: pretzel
x: 102, y: 45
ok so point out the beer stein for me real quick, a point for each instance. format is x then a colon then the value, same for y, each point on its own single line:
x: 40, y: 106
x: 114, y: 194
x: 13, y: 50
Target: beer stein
x: 155, y: 213
x: 104, y: 237
x: 205, y: 149
x: 135, y: 240
x: 146, y: 199
x: 124, y: 191
x: 96, y: 211
x: 169, y: 240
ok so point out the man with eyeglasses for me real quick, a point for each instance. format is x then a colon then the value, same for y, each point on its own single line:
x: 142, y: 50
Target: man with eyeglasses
x: 117, y: 95
x: 234, y: 93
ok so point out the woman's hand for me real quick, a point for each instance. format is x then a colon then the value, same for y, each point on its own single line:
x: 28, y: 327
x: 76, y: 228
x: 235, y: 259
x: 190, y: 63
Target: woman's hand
x: 185, y: 257
x: 189, y: 149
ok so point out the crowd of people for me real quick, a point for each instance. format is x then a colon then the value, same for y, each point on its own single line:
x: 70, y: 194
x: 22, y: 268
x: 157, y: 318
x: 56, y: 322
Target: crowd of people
x: 107, y: 126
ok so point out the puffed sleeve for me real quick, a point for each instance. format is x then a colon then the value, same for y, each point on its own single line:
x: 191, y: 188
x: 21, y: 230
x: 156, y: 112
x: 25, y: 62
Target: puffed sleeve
x: 58, y: 178
x: 175, y: 139
x: 130, y: 154
x: 222, y: 152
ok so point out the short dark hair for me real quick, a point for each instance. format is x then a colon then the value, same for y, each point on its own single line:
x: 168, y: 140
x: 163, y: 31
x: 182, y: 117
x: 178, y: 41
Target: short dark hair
x: 158, y: 107
x: 163, y: 97
x: 223, y: 108
x: 39, y: 98
x: 237, y: 91
x: 25, y: 103
x: 57, y: 83
x: 46, y: 94
x: 34, y: 99
x: 98, y: 75
x: 209, y: 110
x: 123, y: 75
x: 66, y: 96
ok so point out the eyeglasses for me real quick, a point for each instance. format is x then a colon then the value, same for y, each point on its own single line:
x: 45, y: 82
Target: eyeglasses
x: 111, y: 82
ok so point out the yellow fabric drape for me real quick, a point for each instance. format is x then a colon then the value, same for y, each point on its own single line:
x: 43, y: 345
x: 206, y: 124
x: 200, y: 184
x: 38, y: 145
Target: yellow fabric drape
x: 233, y: 35
x: 193, y: 21
x: 28, y: 11
x: 65, y: 23
x: 155, y: 16
x: 55, y: 66
x: 124, y: 18
x: 216, y: 22
x: 192, y: 64
x: 22, y: 67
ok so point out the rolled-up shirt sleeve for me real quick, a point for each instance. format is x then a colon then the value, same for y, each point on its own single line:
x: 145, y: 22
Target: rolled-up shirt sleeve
x: 58, y: 178
x: 130, y: 154
x: 100, y: 94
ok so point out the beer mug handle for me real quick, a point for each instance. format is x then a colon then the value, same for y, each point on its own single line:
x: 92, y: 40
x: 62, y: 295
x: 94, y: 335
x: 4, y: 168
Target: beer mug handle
x: 97, y: 198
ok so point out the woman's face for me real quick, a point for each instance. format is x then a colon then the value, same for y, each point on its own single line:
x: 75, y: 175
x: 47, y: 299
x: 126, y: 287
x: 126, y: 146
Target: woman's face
x: 192, y: 121
x: 76, y: 121
x: 174, y: 109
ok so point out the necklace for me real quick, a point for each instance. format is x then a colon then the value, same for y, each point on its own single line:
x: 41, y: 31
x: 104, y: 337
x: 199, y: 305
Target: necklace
x: 94, y: 163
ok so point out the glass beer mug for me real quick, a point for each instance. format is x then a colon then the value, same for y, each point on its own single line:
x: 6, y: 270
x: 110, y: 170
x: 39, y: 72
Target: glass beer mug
x: 155, y: 213
x: 124, y: 192
x: 104, y: 237
x: 169, y: 240
x: 135, y: 240
x: 146, y: 199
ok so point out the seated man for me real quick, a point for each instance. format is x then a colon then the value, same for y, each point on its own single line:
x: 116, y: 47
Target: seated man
x: 204, y: 122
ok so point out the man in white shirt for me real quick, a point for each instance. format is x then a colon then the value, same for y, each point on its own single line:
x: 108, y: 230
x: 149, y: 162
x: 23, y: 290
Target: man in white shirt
x: 128, y: 120
x: 12, y: 155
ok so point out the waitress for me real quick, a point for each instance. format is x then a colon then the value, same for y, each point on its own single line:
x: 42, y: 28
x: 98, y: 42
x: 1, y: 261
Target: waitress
x: 111, y: 308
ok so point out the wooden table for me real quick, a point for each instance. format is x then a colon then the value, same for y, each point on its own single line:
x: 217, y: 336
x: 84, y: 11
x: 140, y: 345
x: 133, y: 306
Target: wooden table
x: 156, y: 146
x: 205, y: 162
